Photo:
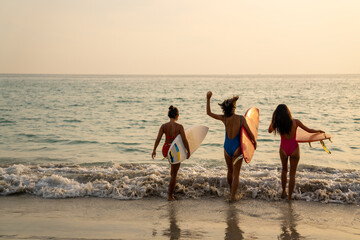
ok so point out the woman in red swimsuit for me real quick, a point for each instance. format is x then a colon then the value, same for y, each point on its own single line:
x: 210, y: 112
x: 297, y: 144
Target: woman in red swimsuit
x: 283, y: 123
x: 171, y: 130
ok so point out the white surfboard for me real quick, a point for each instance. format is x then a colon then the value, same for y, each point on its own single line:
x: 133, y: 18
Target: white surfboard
x: 303, y: 136
x: 195, y: 135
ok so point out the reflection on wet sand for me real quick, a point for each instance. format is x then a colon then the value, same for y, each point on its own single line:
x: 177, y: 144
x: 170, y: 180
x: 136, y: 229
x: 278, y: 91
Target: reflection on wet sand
x: 233, y: 231
x: 174, y: 232
x: 288, y: 226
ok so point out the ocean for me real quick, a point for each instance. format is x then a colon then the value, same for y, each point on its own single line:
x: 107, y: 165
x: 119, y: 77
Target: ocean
x: 65, y: 136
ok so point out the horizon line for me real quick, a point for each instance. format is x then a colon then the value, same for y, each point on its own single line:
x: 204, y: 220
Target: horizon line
x: 189, y: 74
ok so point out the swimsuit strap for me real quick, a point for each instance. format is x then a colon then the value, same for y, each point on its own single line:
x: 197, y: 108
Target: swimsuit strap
x: 225, y: 128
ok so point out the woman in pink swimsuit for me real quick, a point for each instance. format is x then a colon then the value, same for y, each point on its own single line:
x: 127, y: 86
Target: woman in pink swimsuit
x: 171, y: 130
x: 283, y: 123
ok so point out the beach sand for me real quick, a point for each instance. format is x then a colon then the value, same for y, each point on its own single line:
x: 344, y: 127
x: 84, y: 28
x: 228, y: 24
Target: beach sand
x: 28, y: 217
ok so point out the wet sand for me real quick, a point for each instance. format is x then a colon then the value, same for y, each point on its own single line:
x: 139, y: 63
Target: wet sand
x: 27, y: 217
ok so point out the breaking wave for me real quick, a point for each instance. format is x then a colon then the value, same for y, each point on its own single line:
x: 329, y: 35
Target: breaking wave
x: 137, y: 181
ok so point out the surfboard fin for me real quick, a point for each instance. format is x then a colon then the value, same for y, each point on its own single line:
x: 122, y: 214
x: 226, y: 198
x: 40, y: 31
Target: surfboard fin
x: 310, y: 144
x: 323, y: 145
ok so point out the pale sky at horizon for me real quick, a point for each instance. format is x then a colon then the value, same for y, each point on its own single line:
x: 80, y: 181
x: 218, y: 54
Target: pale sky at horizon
x: 180, y: 37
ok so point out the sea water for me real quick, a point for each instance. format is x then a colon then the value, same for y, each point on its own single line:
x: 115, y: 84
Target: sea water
x: 93, y: 135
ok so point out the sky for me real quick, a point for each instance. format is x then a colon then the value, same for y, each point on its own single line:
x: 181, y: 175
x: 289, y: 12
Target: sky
x: 180, y: 37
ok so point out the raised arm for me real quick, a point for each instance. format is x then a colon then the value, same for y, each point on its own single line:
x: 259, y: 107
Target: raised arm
x: 157, y: 141
x: 251, y: 135
x: 208, y: 109
x: 186, y: 144
x: 300, y: 124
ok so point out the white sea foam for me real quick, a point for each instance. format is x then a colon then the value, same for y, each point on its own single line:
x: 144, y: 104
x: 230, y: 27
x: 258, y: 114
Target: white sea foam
x: 136, y: 181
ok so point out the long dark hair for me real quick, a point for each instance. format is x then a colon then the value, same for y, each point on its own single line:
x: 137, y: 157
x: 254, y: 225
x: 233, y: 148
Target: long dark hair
x: 228, y: 106
x: 282, y: 120
x: 173, y: 112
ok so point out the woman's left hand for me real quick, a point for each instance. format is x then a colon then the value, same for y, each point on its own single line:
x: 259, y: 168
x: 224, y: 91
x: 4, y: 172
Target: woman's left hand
x: 153, y: 155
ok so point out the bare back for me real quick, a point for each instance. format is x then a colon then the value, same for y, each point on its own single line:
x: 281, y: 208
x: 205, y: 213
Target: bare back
x: 232, y: 125
x: 292, y: 133
x: 171, y: 130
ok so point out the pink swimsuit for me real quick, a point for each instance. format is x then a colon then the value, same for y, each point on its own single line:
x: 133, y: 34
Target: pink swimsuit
x: 289, y: 145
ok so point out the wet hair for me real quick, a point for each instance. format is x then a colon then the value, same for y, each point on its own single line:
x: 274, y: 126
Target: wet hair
x: 282, y: 120
x: 173, y: 112
x: 228, y: 106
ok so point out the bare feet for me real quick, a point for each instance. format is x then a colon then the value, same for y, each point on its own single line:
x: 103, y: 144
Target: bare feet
x: 235, y: 198
x: 171, y: 198
x: 284, y: 195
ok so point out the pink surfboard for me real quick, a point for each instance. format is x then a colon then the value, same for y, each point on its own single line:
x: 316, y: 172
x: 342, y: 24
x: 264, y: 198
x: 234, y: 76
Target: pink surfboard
x: 303, y: 136
x: 247, y: 146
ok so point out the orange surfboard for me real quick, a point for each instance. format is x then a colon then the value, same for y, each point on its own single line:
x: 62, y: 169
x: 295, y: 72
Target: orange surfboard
x: 247, y: 146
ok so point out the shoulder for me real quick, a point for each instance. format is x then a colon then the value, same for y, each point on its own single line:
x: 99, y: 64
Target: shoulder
x: 180, y: 128
x: 298, y: 122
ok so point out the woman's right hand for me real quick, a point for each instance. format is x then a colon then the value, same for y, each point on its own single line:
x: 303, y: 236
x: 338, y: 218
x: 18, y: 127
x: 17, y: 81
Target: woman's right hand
x: 153, y: 155
x: 209, y: 94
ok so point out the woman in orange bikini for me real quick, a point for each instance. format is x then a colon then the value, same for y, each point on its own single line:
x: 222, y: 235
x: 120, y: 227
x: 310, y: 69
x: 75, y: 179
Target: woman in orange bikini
x: 283, y: 123
x: 171, y: 130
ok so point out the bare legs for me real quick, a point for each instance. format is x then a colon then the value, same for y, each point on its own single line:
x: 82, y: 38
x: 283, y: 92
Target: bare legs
x: 233, y: 173
x: 235, y: 179
x: 294, y: 160
x: 284, y: 163
x: 230, y: 167
x: 173, y: 172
